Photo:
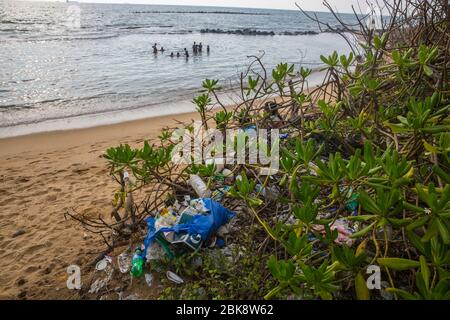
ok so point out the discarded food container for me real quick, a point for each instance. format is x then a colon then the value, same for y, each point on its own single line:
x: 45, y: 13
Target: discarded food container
x: 102, y: 264
x: 124, y: 261
x: 193, y: 241
x: 199, y: 186
x: 174, y: 277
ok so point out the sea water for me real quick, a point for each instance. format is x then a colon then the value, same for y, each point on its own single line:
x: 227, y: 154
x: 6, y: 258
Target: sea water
x: 55, y: 75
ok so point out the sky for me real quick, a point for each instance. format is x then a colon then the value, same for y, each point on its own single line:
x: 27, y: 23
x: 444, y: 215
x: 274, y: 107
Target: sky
x: 342, y: 6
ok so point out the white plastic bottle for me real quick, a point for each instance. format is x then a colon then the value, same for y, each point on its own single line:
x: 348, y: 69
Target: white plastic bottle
x: 199, y: 186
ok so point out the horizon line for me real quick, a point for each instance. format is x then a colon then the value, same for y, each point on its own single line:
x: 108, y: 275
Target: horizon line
x: 172, y: 5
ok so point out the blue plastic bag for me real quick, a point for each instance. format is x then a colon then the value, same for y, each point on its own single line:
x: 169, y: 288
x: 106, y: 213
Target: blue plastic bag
x: 204, y: 225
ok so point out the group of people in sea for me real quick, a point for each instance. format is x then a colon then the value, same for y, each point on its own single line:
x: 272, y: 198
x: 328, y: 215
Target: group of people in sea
x: 196, y: 50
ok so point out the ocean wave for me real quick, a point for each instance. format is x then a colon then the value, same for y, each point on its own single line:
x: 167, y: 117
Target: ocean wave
x: 139, y: 26
x: 24, y: 22
x: 29, y: 105
x: 253, y: 32
x: 132, y: 27
x: 14, y: 30
x: 67, y: 38
x: 206, y: 12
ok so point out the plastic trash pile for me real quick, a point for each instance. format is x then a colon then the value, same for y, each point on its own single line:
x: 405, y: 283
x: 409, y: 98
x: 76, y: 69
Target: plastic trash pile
x: 188, y: 226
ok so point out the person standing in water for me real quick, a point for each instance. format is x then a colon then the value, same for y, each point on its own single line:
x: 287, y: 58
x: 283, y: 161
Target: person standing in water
x: 194, y: 48
x: 207, y: 49
x: 162, y: 49
x: 178, y: 54
x: 200, y: 47
x: 171, y: 54
x: 186, y: 53
x: 155, y: 49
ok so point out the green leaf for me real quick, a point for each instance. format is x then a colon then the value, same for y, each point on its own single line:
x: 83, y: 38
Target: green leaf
x: 402, y: 293
x: 417, y: 224
x: 324, y: 59
x: 272, y: 263
x: 431, y: 232
x: 427, y: 70
x: 377, y: 42
x: 398, y: 263
x: 415, y: 240
x: 363, y: 217
x: 362, y: 292
x: 443, y: 231
x: 429, y: 147
x: 399, y: 223
x: 436, y: 129
x: 425, y: 271
x: 368, y: 203
x: 441, y: 173
x: 397, y: 128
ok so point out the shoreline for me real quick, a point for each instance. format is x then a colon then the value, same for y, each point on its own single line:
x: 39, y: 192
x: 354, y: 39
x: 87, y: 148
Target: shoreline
x: 114, y: 117
x: 106, y: 118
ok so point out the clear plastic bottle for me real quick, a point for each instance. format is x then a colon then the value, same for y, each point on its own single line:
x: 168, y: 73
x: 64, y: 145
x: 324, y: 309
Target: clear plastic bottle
x: 199, y: 186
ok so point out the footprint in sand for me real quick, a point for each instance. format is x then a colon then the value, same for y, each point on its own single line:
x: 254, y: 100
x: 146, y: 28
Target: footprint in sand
x: 22, y: 179
x: 5, y: 202
x: 34, y: 248
x: 51, y: 197
x: 31, y: 269
x: 39, y: 193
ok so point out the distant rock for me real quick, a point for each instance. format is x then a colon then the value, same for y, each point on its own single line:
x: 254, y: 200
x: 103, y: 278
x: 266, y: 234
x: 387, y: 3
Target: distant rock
x: 250, y: 32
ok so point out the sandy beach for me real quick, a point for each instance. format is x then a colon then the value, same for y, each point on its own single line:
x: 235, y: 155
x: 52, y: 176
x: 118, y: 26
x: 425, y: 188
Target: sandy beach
x: 42, y: 176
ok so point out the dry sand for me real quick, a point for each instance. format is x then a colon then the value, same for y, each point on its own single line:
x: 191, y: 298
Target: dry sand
x: 43, y: 175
